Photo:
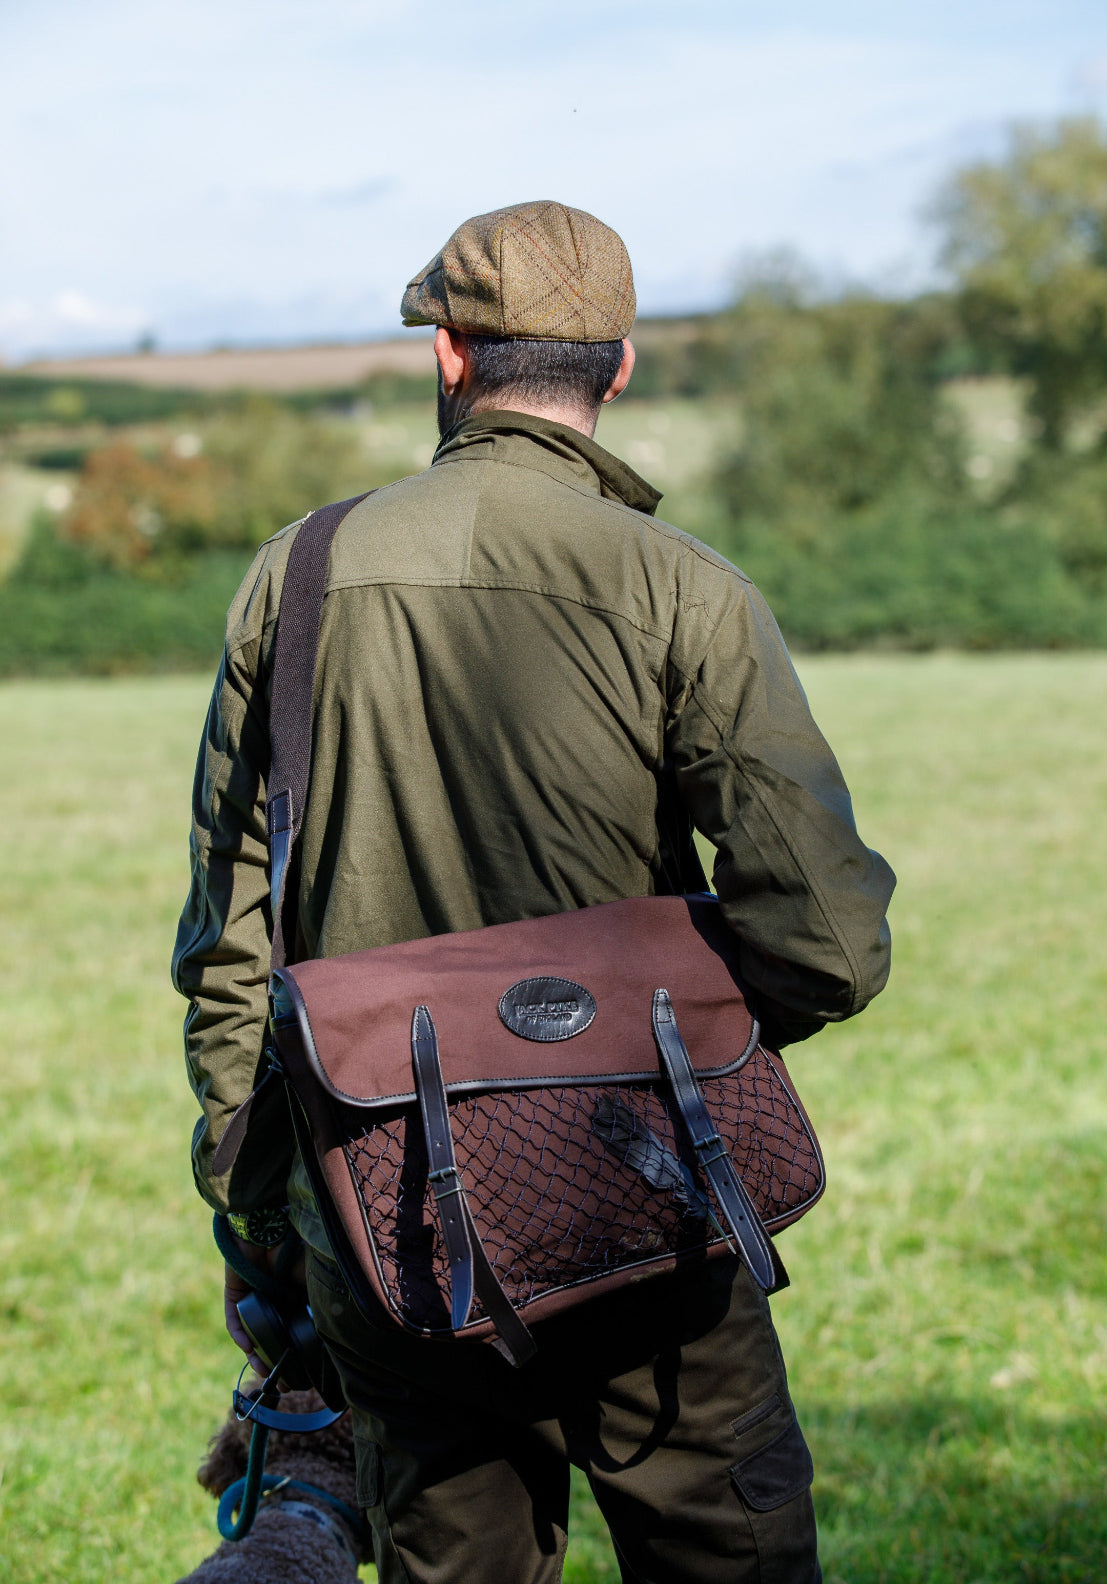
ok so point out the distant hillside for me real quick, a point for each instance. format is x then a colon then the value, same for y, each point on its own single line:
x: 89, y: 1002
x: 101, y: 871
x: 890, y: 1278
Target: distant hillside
x: 259, y: 368
x: 285, y: 369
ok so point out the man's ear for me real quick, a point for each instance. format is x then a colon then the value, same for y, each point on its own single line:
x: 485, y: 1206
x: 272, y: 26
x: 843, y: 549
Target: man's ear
x: 622, y: 379
x: 453, y: 358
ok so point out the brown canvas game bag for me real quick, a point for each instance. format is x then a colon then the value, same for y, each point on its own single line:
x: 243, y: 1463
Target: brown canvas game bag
x: 503, y: 1122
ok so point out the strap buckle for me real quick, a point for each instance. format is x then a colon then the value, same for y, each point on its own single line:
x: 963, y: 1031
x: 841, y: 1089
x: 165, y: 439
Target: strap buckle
x: 443, y: 1174
x: 720, y: 1151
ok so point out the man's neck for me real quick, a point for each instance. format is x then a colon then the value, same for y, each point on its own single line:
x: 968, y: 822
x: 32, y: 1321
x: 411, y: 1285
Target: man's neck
x: 584, y: 423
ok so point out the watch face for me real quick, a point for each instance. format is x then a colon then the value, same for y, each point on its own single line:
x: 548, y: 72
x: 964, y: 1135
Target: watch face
x: 271, y: 1226
x: 264, y: 1227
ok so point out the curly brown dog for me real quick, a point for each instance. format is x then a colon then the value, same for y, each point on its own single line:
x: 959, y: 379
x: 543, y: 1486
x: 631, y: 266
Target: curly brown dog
x: 296, y: 1538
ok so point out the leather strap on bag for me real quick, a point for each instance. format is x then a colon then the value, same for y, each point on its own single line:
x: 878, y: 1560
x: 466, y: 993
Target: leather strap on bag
x: 442, y: 1172
x: 470, y: 1267
x: 733, y: 1200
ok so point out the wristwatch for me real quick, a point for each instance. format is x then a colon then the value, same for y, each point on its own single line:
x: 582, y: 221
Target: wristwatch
x: 266, y: 1228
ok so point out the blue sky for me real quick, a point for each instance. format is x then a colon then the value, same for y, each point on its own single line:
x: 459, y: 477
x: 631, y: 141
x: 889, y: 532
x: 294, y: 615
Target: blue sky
x: 257, y: 170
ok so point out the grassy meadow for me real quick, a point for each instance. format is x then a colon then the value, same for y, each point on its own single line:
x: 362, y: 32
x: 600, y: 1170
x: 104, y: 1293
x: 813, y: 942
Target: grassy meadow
x: 947, y: 1324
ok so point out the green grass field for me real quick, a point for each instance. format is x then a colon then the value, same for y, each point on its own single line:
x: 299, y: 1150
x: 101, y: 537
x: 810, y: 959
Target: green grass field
x: 947, y: 1323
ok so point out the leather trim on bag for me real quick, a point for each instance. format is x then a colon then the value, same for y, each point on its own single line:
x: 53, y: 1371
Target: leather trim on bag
x: 557, y: 1297
x: 780, y: 1222
x: 620, y: 950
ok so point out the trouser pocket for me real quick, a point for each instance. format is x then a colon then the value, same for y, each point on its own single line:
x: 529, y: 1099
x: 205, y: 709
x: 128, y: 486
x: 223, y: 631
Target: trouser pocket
x: 772, y: 1477
x: 368, y: 1455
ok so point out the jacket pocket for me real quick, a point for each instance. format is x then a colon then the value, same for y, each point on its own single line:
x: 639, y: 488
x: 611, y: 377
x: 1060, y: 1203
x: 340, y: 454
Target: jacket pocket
x: 327, y: 1274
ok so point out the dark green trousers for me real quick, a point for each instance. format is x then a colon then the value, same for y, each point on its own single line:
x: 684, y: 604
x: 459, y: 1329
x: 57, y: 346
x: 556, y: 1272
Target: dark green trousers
x: 671, y: 1396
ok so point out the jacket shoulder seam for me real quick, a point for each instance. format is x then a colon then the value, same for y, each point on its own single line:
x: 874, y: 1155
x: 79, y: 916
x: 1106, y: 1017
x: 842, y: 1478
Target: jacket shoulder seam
x: 518, y: 587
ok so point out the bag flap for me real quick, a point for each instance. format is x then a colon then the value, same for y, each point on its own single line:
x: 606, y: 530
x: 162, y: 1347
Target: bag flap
x: 564, y: 999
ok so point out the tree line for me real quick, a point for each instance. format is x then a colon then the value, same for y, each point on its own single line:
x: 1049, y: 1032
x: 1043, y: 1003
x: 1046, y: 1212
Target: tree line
x: 849, y: 489
x: 849, y: 492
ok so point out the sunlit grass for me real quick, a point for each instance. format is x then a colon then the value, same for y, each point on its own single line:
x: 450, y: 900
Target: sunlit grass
x: 947, y: 1324
x: 23, y: 491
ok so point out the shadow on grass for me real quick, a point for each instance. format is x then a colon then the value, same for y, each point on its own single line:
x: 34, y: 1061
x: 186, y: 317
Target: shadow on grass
x: 935, y: 1491
x: 945, y: 1491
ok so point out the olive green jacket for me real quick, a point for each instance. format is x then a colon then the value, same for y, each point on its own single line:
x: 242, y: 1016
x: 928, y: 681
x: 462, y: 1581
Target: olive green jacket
x: 511, y: 645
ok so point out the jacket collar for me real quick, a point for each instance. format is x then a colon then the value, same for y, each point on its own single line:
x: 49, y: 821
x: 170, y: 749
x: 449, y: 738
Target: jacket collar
x: 554, y: 448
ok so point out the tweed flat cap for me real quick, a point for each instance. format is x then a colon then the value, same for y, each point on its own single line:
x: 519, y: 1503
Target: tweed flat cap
x: 538, y: 271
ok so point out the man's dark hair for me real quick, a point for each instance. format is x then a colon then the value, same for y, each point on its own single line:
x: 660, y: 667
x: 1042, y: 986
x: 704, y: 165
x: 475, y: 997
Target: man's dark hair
x: 543, y: 373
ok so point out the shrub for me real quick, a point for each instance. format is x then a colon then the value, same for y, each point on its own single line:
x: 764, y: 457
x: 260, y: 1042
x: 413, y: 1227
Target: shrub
x: 139, y: 572
x: 131, y: 506
x: 839, y: 407
x: 103, y: 622
x: 230, y: 485
x: 275, y: 466
x: 50, y: 559
x: 27, y: 398
x: 846, y: 497
x: 906, y: 574
x: 1065, y: 497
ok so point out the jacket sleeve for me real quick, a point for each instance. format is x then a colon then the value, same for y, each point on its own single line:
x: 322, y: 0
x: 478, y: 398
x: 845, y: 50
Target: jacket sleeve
x: 795, y: 882
x: 221, y: 957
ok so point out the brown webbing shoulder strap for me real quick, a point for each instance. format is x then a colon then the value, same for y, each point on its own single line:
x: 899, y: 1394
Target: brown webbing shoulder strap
x: 290, y: 707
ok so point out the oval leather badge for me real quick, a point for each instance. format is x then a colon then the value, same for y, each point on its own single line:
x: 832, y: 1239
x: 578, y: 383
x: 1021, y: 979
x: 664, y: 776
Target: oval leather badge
x: 547, y: 1009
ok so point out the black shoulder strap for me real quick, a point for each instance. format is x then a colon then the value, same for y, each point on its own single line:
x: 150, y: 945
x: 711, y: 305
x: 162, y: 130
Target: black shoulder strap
x: 290, y: 705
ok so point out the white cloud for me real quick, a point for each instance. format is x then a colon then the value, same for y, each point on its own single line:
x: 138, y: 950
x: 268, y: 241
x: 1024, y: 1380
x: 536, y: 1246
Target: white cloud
x: 73, y: 307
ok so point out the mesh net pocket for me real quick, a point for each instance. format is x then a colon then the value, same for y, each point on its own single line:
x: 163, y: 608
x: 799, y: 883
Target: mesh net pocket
x: 570, y: 1184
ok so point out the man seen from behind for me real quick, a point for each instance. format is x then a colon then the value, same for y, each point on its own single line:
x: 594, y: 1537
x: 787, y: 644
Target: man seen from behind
x: 515, y: 656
